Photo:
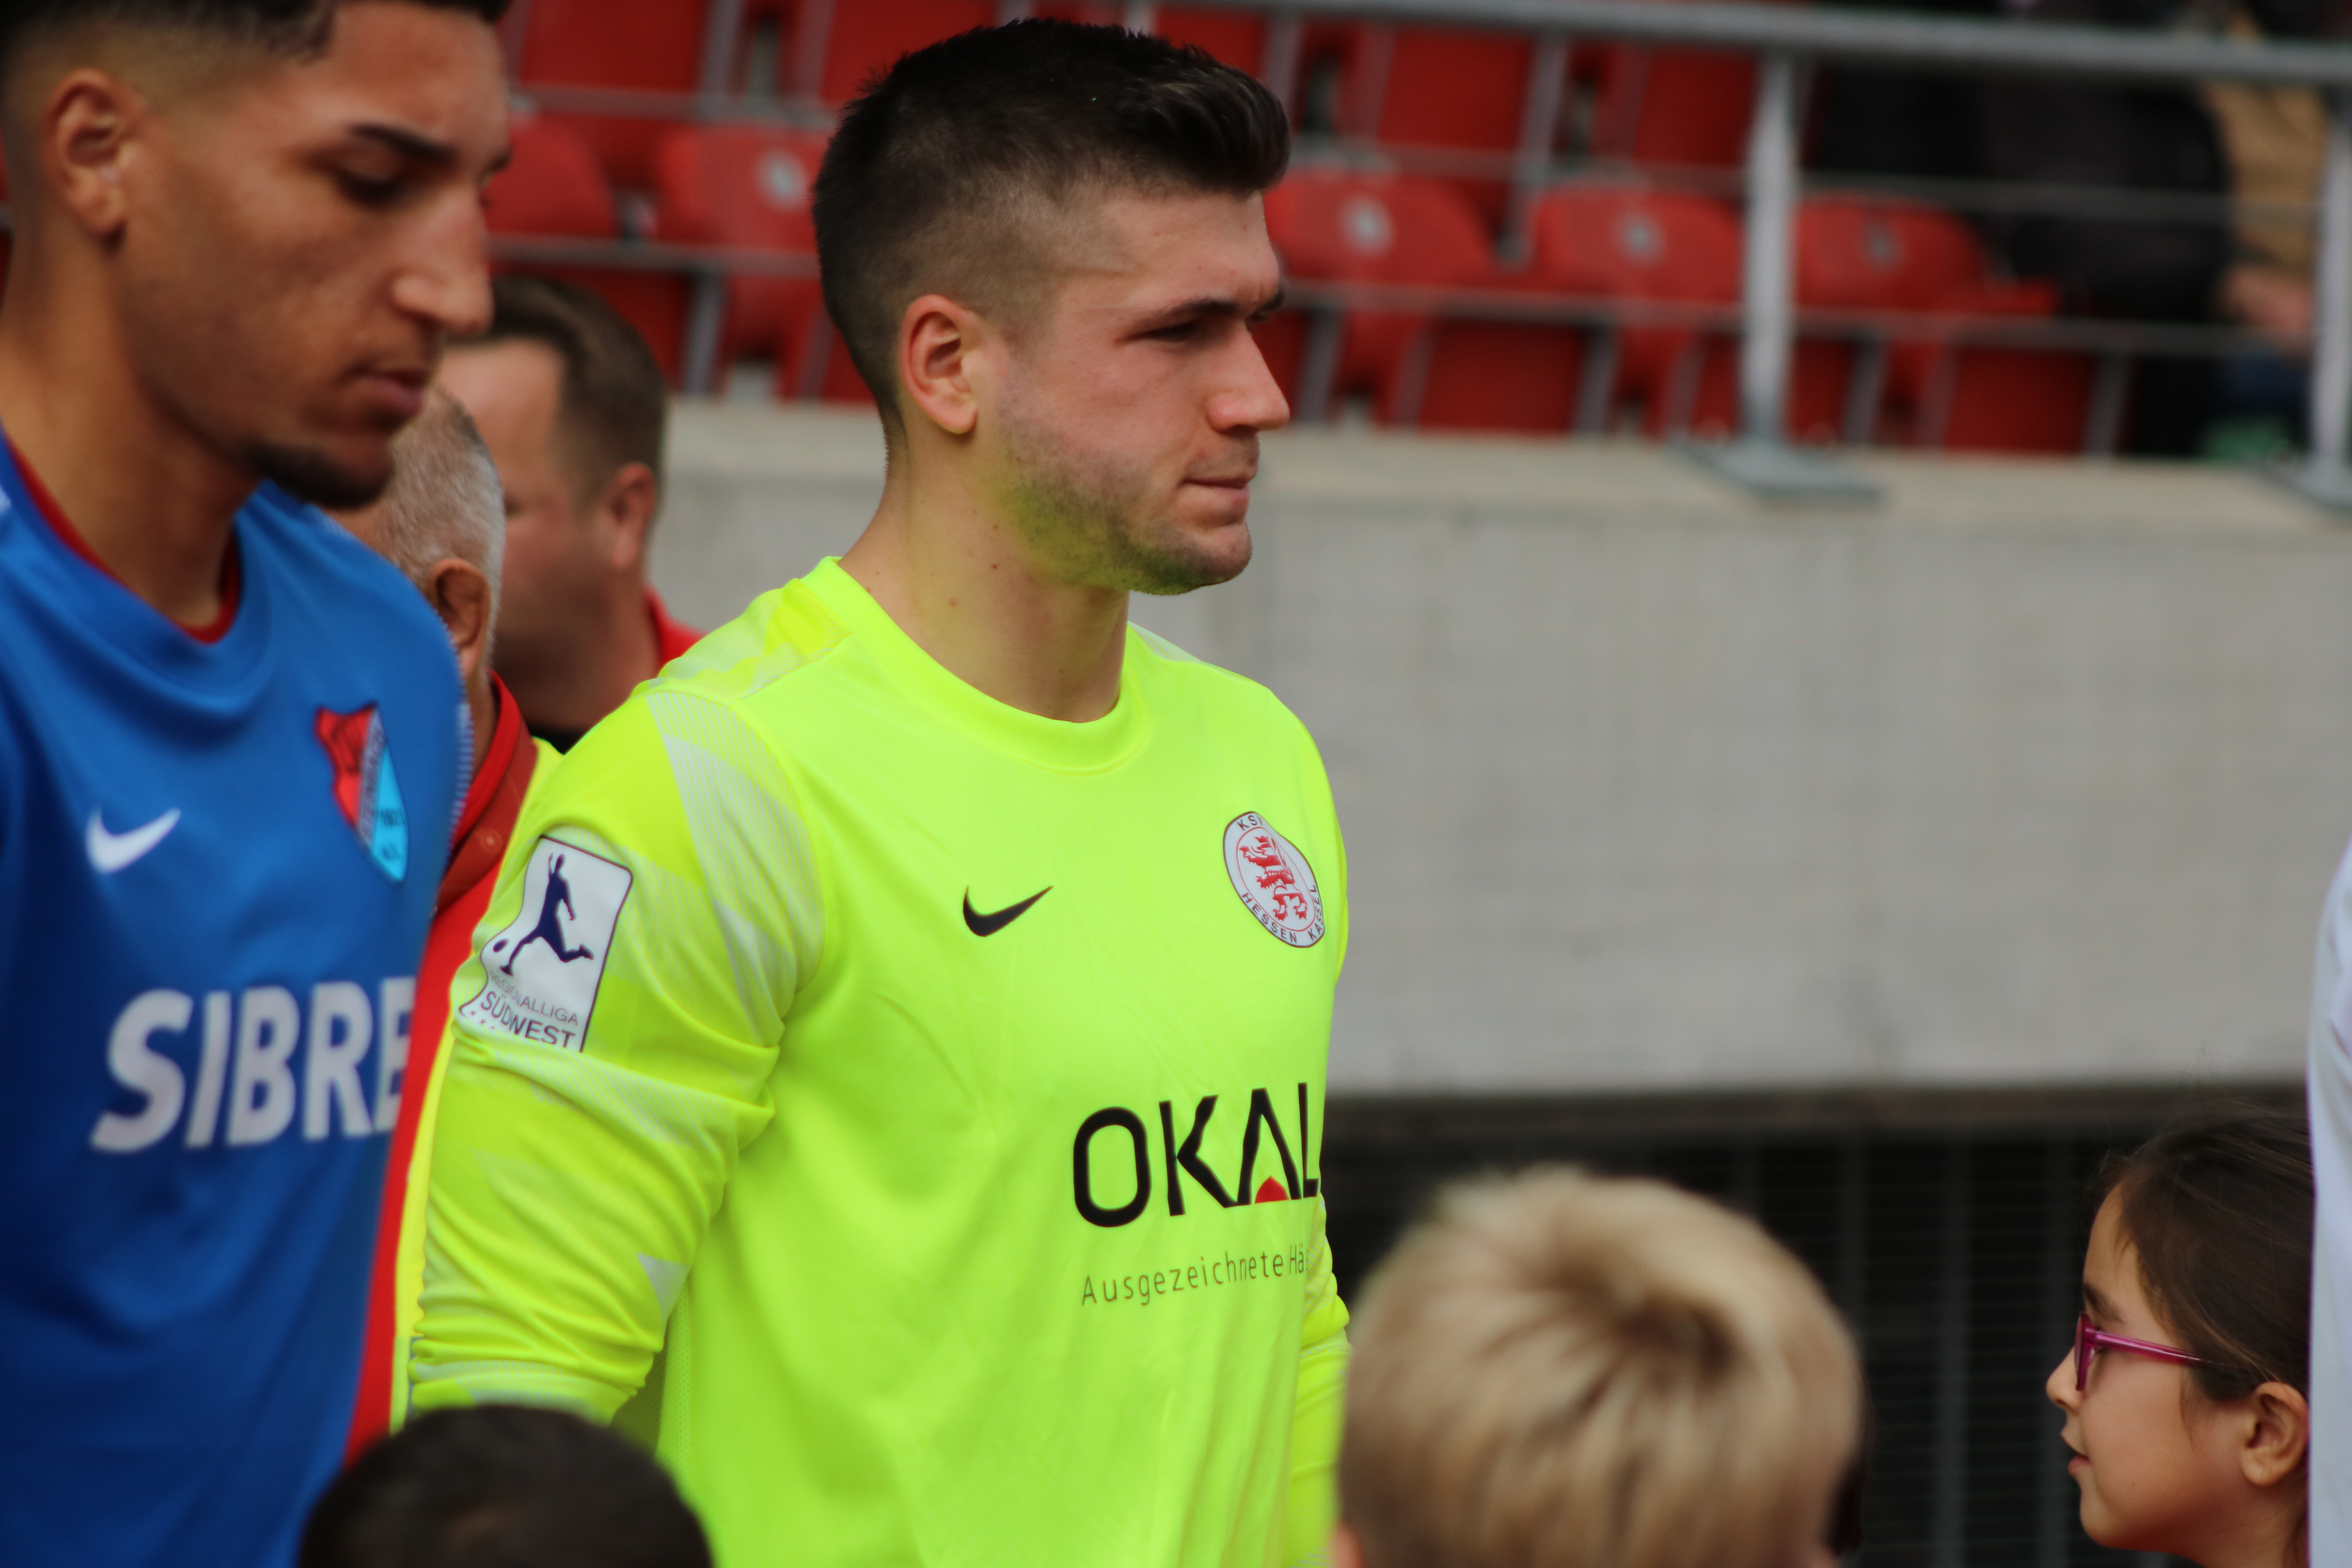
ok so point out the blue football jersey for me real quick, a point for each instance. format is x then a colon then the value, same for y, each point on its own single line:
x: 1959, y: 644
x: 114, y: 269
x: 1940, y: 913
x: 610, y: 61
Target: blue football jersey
x: 218, y: 863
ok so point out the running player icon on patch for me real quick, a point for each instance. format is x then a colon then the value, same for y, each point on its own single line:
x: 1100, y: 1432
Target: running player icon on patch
x: 540, y: 974
x: 554, y: 900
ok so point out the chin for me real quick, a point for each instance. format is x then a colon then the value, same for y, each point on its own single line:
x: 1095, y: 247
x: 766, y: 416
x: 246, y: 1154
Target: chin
x: 337, y: 480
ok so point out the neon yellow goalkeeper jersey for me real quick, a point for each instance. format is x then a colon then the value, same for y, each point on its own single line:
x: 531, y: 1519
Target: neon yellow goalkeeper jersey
x: 934, y: 1088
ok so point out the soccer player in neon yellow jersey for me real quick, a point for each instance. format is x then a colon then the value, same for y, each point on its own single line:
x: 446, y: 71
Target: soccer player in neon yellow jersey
x: 892, y: 1066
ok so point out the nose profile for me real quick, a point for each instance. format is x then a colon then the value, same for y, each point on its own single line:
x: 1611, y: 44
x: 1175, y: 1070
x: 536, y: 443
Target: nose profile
x: 448, y: 280
x: 1254, y: 401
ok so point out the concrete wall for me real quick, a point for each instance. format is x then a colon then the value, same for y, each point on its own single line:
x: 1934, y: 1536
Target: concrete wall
x: 2035, y: 773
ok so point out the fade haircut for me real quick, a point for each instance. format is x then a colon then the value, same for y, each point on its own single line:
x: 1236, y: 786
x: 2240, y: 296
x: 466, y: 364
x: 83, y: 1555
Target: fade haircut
x: 616, y: 405
x: 1563, y: 1370
x: 444, y: 500
x: 294, y: 28
x: 503, y: 1487
x: 947, y: 171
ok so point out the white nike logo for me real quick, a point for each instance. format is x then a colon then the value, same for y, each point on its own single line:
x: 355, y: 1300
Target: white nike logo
x: 110, y: 852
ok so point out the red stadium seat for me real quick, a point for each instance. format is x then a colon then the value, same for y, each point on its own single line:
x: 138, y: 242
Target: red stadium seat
x: 554, y: 188
x: 1854, y: 254
x: 1686, y: 107
x: 1237, y: 37
x: 1450, y: 89
x: 1457, y: 89
x: 1627, y: 243
x: 746, y: 185
x: 625, y: 44
x: 1343, y: 226
x: 864, y: 36
x: 1975, y: 399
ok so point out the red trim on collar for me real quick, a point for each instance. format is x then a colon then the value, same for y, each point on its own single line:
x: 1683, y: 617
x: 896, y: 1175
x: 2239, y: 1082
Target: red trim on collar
x: 53, y: 514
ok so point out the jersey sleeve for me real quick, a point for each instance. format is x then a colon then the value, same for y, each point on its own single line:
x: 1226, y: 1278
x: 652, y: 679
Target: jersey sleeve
x: 1314, y: 1509
x: 594, y: 1109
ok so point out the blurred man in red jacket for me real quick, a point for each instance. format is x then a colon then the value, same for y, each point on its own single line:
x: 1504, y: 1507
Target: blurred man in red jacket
x: 443, y: 523
x: 573, y: 407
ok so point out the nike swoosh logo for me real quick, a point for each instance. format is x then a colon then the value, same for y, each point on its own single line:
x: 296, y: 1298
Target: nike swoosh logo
x: 989, y: 925
x: 110, y: 852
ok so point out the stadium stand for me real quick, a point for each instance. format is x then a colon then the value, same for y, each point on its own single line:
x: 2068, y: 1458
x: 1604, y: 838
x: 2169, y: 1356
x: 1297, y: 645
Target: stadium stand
x: 746, y: 185
x: 624, y: 45
x: 1631, y: 243
x: 1686, y: 107
x: 1433, y: 159
x: 555, y: 188
x: 1340, y: 225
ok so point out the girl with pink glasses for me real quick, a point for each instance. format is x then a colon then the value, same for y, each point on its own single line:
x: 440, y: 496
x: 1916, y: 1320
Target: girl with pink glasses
x: 2185, y: 1392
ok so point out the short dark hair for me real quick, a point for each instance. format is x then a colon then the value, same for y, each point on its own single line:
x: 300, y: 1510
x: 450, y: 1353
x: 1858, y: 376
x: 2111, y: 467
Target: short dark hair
x: 615, y: 403
x: 294, y: 28
x: 925, y: 184
x: 503, y: 1487
x: 2218, y: 1208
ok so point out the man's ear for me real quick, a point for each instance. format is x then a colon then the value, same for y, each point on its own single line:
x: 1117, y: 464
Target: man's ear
x: 461, y: 597
x: 85, y: 130
x: 937, y: 338
x: 2278, y: 1437
x: 1347, y: 1551
x: 626, y: 510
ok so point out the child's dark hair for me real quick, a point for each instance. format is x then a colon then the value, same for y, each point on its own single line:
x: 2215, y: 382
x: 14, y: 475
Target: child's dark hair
x: 503, y: 1487
x: 2218, y: 1208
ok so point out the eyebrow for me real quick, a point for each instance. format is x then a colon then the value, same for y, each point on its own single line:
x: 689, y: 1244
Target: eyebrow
x: 1218, y: 305
x: 407, y: 143
x: 2097, y: 1305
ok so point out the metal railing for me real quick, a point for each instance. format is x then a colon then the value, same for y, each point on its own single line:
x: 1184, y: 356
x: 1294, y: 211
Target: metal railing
x: 1785, y: 40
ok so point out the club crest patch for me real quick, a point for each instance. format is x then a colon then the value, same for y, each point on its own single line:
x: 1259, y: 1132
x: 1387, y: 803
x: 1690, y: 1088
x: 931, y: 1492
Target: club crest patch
x: 366, y: 789
x: 540, y: 975
x: 1273, y: 879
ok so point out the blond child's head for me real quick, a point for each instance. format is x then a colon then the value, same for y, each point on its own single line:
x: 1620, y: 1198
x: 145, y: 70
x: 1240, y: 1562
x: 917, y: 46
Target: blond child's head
x: 1565, y: 1371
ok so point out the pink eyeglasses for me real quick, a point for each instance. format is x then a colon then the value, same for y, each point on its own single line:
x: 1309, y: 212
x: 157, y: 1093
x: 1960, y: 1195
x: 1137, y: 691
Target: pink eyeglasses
x: 2089, y: 1342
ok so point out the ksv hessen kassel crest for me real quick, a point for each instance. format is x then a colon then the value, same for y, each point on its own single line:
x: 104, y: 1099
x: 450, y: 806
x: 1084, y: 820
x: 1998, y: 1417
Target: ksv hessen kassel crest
x: 1273, y: 879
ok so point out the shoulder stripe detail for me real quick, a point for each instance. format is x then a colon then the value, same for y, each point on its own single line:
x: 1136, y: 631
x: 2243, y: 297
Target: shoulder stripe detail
x: 782, y: 632
x: 753, y: 849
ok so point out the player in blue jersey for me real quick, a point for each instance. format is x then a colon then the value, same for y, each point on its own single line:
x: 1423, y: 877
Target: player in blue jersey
x: 229, y: 735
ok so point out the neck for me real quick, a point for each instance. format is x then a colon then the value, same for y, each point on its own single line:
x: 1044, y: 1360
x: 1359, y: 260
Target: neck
x: 602, y: 657
x: 482, y: 703
x: 957, y: 580
x: 161, y: 521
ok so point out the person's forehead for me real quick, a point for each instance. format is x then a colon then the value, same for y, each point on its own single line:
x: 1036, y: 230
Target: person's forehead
x: 428, y: 71
x: 1204, y: 244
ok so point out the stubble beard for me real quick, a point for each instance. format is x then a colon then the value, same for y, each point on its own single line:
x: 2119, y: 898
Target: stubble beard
x: 1090, y: 517
x: 309, y: 475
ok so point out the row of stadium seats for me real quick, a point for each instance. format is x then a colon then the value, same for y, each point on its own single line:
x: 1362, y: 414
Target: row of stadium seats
x: 749, y: 187
x: 1417, y: 86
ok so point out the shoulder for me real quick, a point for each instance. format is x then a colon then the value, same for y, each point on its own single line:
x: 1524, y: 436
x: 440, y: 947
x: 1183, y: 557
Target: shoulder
x: 356, y: 592
x: 782, y: 636
x: 682, y: 742
x: 1175, y: 677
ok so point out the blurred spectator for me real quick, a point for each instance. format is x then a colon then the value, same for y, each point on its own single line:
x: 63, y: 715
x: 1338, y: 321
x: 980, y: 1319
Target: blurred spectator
x: 1914, y: 124
x: 575, y: 408
x: 2275, y: 140
x: 2059, y: 130
x: 1560, y: 1371
x: 442, y: 522
x: 503, y: 1487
